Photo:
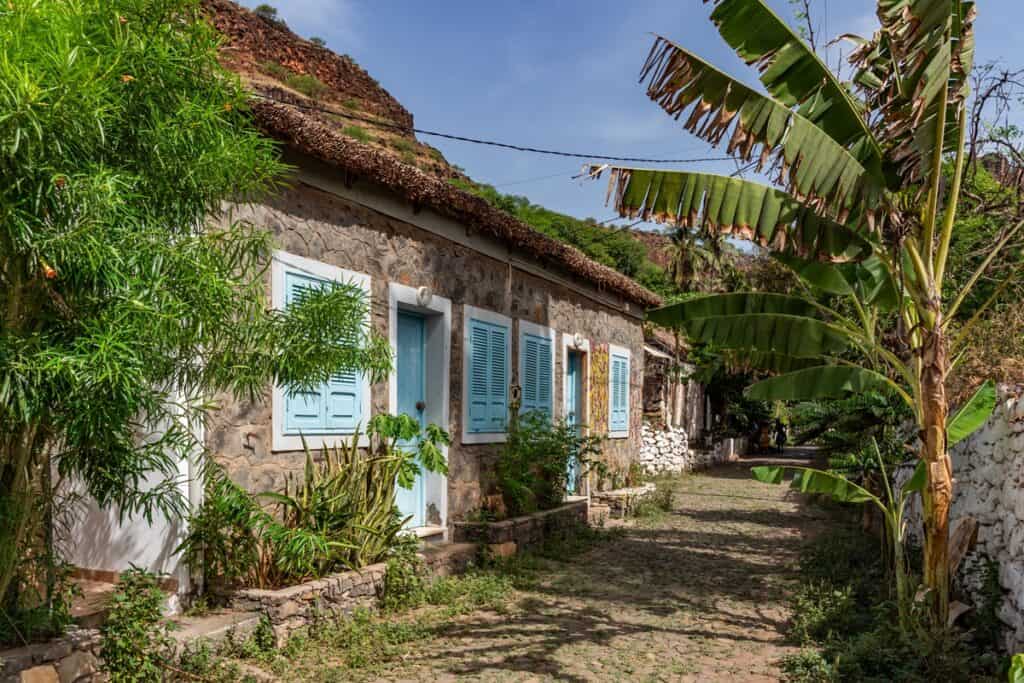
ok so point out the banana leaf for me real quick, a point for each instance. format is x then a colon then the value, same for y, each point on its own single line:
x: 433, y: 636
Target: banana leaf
x: 741, y: 208
x: 807, y: 480
x: 736, y: 303
x: 973, y: 414
x: 788, y: 335
x: 826, y: 381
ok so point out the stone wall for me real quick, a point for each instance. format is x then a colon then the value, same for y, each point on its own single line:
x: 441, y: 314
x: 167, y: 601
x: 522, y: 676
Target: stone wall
x: 669, y: 399
x: 666, y: 449
x: 519, y: 533
x: 319, y: 225
x: 71, y: 659
x: 988, y: 468
x: 293, y: 607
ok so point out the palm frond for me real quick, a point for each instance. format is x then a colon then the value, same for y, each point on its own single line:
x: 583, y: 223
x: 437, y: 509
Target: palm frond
x: 793, y: 73
x: 732, y: 206
x: 812, y: 163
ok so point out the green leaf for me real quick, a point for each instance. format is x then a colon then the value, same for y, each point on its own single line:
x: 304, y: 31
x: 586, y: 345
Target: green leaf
x: 807, y: 480
x: 918, y: 480
x: 793, y: 73
x: 768, y: 474
x: 1017, y: 669
x: 787, y: 335
x: 825, y: 276
x: 740, y: 208
x: 973, y: 414
x: 816, y: 165
x: 736, y: 303
x: 826, y: 381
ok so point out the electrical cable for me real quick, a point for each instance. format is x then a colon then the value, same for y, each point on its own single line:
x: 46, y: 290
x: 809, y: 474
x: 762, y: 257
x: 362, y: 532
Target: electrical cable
x: 478, y: 141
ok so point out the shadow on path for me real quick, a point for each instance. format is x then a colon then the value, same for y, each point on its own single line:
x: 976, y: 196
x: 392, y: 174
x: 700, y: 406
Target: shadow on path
x: 695, y: 594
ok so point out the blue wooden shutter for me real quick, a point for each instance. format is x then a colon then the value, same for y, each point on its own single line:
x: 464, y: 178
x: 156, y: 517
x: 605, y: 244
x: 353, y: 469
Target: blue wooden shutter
x: 498, y: 360
x: 535, y: 373
x: 619, y: 398
x: 333, y: 408
x: 479, y: 376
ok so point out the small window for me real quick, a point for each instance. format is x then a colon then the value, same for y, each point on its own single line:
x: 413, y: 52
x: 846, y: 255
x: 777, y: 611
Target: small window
x: 535, y: 370
x: 340, y: 405
x: 618, y: 393
x: 486, y: 373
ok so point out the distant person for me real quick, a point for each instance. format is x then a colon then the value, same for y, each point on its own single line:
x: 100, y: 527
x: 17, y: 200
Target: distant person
x: 780, y: 436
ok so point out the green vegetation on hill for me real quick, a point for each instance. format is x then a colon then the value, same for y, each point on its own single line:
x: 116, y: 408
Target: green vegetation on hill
x: 613, y: 247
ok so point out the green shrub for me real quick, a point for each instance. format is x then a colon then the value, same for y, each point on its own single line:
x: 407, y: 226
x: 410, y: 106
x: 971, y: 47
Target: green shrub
x: 807, y: 666
x: 405, y: 576
x: 533, y: 468
x: 134, y: 638
x: 357, y: 133
x: 307, y: 84
x: 318, y: 41
x: 341, y: 514
x: 351, y: 103
x: 657, y: 504
x: 268, y: 12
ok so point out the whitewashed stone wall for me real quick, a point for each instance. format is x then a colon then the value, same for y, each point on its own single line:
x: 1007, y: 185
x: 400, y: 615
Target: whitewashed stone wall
x: 667, y: 449
x: 988, y: 469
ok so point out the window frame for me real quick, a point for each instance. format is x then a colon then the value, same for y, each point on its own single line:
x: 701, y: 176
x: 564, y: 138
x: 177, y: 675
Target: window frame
x: 625, y: 353
x: 281, y: 263
x: 493, y: 318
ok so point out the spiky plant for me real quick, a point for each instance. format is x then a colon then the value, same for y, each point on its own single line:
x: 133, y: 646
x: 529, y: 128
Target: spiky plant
x: 857, y: 207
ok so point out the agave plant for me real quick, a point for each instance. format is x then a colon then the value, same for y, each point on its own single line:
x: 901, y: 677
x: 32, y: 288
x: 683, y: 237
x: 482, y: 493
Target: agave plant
x: 855, y: 205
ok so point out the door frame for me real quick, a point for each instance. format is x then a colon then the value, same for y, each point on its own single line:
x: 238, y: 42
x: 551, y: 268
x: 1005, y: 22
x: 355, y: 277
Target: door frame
x: 437, y: 314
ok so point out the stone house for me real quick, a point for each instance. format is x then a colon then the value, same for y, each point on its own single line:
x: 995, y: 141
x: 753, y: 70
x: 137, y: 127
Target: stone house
x: 477, y: 305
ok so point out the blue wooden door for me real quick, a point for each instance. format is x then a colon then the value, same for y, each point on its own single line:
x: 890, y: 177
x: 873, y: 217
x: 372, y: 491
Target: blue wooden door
x: 574, y: 409
x: 411, y: 381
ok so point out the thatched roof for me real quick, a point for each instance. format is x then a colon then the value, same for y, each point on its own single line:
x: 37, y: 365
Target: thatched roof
x: 303, y: 124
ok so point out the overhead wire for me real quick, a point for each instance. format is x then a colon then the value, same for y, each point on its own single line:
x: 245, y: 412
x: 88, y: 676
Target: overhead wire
x: 480, y: 141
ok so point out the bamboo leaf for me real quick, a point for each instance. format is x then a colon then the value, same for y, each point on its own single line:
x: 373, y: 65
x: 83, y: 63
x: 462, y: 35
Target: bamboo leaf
x: 826, y: 381
x: 973, y: 414
x: 732, y: 206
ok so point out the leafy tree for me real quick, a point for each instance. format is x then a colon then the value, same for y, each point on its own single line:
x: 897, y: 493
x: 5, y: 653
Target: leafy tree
x: 124, y: 307
x: 858, y: 209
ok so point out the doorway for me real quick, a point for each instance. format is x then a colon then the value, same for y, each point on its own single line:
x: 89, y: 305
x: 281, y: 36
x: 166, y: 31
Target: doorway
x: 574, y: 415
x: 410, y: 368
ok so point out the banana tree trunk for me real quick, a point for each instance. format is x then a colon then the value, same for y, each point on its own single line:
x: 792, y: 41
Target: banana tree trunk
x: 939, y: 492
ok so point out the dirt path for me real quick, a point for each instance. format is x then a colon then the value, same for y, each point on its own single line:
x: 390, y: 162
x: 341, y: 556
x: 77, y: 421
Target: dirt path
x: 695, y: 595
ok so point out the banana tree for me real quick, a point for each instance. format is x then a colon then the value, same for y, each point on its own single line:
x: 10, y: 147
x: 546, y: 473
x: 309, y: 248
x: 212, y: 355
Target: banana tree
x: 855, y: 205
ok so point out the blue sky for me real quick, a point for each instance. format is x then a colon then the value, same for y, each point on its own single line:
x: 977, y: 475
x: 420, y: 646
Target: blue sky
x: 560, y: 74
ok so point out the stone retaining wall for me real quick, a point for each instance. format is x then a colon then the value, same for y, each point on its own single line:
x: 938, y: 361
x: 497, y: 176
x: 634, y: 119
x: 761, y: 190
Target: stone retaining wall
x: 667, y: 450
x: 71, y: 659
x: 293, y: 607
x: 988, y: 469
x: 513, y: 535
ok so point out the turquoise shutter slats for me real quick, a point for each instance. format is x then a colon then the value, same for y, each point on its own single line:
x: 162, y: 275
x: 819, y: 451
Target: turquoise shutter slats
x: 619, y: 398
x: 498, y: 407
x: 479, y: 376
x: 535, y: 373
x: 488, y: 377
x: 335, y: 407
x: 544, y: 388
